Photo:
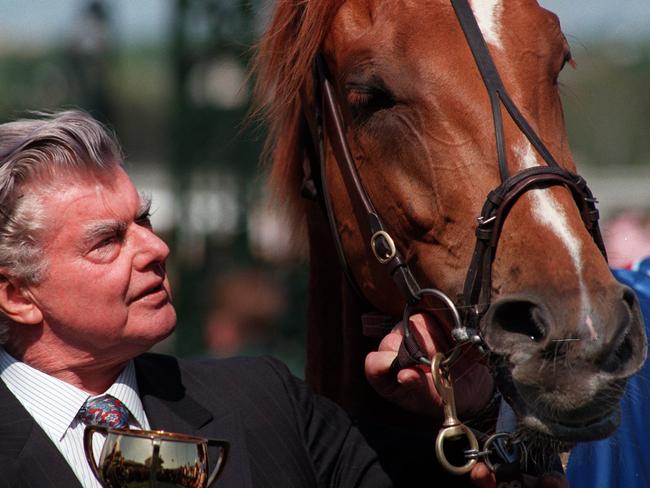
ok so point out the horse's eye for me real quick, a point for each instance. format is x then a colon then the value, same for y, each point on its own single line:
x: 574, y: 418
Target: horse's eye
x: 365, y: 100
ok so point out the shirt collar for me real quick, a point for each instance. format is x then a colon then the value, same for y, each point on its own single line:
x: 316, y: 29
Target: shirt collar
x: 53, y: 403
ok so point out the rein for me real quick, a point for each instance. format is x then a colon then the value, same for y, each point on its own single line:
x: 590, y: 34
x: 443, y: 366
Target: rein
x: 324, y: 121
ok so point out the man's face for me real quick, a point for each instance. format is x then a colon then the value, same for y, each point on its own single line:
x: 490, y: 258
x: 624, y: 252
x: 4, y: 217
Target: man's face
x: 105, y: 292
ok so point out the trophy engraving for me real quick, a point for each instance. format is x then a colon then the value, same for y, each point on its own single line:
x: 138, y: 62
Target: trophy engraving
x: 139, y: 458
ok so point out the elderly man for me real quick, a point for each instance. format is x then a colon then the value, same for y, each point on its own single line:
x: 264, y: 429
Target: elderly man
x: 84, y: 293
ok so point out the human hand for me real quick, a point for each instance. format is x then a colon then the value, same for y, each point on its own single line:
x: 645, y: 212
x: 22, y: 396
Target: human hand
x: 412, y: 388
x: 482, y: 477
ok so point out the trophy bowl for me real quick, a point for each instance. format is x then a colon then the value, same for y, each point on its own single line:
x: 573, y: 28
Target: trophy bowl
x: 146, y: 458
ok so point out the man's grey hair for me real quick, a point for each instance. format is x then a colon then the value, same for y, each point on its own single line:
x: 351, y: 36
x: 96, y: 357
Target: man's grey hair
x: 34, y: 153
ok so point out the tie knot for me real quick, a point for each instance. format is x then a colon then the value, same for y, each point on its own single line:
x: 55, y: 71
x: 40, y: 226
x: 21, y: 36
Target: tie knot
x: 105, y: 411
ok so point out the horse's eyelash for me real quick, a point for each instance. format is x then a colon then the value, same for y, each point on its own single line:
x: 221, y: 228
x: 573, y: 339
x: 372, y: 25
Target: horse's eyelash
x: 359, y: 98
x: 371, y: 97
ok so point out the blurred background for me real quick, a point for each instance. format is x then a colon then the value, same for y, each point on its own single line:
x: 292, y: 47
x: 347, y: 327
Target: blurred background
x: 170, y: 76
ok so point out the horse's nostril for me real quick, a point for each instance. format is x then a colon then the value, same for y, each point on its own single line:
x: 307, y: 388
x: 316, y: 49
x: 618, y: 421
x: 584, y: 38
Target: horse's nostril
x: 619, y: 357
x: 629, y: 298
x: 620, y: 349
x: 520, y: 317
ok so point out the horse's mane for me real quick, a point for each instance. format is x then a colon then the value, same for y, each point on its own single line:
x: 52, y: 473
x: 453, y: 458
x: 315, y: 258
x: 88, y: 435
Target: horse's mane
x: 283, y: 66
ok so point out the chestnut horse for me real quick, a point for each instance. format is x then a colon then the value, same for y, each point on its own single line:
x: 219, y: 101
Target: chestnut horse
x: 419, y: 126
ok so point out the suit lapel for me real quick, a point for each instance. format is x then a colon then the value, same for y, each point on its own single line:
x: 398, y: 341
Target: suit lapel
x: 170, y: 406
x: 27, y: 454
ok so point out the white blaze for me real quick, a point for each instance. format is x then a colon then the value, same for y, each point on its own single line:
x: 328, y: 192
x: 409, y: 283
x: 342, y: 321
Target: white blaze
x: 548, y: 212
x: 546, y: 208
x: 488, y: 16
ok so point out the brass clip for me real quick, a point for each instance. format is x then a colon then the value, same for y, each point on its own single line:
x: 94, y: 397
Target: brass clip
x: 452, y: 427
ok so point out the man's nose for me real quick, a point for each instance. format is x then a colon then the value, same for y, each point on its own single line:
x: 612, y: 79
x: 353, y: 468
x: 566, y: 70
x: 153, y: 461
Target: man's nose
x: 149, y: 249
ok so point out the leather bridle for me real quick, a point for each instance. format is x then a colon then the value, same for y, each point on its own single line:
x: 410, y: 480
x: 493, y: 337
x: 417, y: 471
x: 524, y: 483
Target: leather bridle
x: 324, y: 120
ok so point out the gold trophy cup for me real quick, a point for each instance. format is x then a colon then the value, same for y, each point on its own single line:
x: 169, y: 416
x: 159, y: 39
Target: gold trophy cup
x: 145, y: 458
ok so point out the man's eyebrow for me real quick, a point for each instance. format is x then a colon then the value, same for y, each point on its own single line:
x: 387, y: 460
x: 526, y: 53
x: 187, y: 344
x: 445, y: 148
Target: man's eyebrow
x: 98, y: 229
x: 103, y: 228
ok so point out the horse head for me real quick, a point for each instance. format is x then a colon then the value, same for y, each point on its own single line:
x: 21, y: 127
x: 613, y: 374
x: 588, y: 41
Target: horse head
x: 421, y: 131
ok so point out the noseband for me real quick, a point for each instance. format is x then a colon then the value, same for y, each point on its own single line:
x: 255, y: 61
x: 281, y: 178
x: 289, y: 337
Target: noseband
x: 477, y: 289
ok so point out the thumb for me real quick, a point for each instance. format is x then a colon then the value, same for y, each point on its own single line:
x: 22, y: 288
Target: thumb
x: 378, y: 363
x: 482, y: 477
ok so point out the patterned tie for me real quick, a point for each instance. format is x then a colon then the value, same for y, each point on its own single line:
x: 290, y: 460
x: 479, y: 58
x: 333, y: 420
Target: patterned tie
x: 105, y: 411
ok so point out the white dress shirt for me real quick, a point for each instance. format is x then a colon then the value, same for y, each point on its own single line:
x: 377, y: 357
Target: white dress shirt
x: 54, y: 405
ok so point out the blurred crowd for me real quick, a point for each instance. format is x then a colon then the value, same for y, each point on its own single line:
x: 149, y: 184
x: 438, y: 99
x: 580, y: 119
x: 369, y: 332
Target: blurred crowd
x: 627, y: 237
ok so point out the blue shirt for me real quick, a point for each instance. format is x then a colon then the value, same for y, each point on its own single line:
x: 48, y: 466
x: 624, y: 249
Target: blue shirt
x: 622, y: 460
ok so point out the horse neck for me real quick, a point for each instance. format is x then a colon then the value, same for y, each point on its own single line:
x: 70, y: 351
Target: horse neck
x: 334, y: 350
x: 336, y: 346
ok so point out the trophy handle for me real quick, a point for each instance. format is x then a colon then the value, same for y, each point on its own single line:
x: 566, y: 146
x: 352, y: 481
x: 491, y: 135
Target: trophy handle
x: 88, y: 447
x: 223, y: 453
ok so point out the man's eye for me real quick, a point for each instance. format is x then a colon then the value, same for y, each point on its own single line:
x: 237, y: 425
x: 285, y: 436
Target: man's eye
x: 108, y: 241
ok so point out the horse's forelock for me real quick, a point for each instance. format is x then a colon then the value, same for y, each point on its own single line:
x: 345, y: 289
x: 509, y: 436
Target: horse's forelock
x: 283, y: 65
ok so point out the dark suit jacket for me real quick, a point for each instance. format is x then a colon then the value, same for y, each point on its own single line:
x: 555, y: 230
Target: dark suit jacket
x: 281, y: 435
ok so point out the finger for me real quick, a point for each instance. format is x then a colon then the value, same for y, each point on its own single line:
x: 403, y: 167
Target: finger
x: 482, y: 477
x: 391, y: 342
x: 378, y: 367
x: 428, y: 334
x: 378, y: 363
x: 431, y: 333
x: 413, y: 376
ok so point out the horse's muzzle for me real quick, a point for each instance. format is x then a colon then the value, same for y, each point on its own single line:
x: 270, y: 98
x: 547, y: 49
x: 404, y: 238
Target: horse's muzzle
x: 565, y: 378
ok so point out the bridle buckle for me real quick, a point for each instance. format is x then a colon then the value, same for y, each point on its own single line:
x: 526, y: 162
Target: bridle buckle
x: 383, y: 246
x: 482, y: 221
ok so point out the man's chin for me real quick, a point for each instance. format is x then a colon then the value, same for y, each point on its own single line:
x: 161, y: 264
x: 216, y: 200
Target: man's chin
x: 167, y: 323
x: 156, y: 327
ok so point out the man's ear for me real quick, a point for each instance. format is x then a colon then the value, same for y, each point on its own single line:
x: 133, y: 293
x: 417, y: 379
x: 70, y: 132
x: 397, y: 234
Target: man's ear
x: 17, y: 303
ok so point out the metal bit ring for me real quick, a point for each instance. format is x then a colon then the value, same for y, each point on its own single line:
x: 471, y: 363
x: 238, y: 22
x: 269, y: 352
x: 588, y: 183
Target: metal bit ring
x: 455, y: 432
x: 487, y: 447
